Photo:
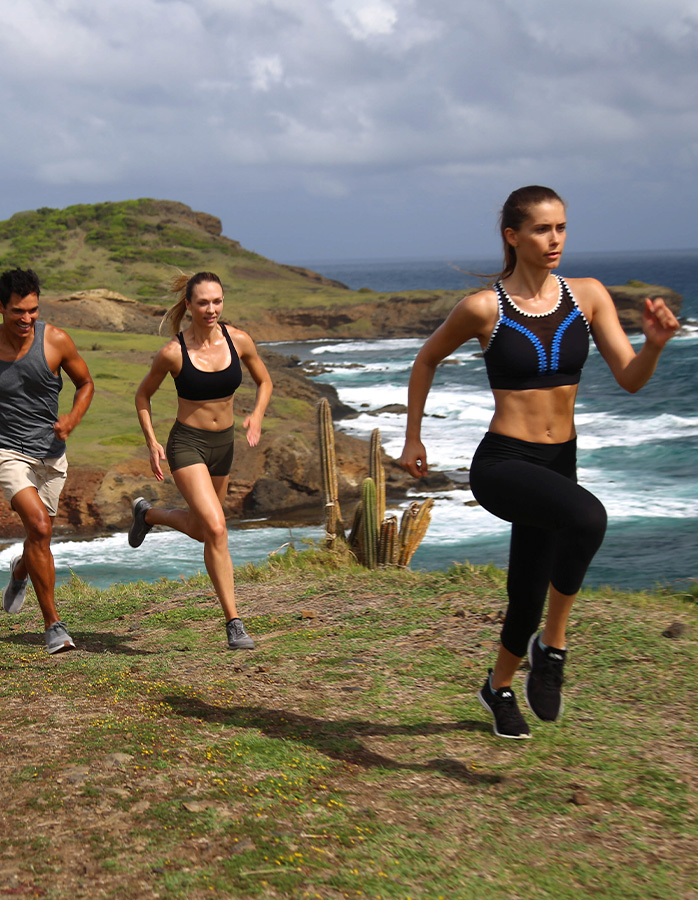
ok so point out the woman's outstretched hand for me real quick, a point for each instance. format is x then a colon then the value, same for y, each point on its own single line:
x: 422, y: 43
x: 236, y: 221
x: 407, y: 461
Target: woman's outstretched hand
x: 254, y: 430
x: 414, y: 459
x: 659, y: 323
x: 157, y: 455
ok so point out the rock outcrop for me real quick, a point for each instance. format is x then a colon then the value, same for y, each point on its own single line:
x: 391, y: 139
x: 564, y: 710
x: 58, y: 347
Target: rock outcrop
x: 101, y: 310
x: 630, y: 300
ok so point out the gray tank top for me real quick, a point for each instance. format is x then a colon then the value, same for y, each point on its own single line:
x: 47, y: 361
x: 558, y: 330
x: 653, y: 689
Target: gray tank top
x: 29, y: 402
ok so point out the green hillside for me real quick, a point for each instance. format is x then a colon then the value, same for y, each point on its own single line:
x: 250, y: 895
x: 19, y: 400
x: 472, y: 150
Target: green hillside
x: 135, y: 247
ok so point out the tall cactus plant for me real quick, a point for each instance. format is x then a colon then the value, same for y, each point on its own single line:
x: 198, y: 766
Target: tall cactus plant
x: 374, y: 538
x: 355, y: 533
x: 387, y: 542
x: 334, y: 526
x: 377, y: 472
x: 369, y: 524
x: 415, y: 521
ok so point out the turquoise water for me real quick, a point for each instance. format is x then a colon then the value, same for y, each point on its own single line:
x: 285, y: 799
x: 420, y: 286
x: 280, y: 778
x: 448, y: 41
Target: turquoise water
x: 637, y: 453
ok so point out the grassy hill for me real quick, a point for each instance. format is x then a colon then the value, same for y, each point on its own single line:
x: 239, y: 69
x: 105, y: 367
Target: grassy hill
x: 347, y: 757
x: 135, y: 246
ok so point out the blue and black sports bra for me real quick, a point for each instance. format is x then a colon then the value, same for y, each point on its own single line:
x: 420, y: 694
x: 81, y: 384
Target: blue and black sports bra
x: 529, y: 351
x: 195, y: 384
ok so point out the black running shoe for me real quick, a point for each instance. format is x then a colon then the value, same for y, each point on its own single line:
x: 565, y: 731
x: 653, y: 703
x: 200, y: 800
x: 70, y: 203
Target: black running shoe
x: 238, y: 638
x: 139, y: 527
x: 543, y: 688
x: 508, y: 721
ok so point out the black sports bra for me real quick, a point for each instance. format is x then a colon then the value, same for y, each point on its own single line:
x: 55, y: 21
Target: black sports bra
x: 528, y: 351
x: 195, y: 384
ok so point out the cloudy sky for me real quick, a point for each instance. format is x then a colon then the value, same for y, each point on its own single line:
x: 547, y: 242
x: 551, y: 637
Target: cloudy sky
x: 331, y: 129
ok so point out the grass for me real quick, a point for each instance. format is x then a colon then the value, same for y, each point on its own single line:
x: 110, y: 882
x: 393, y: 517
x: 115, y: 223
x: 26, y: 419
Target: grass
x: 347, y: 756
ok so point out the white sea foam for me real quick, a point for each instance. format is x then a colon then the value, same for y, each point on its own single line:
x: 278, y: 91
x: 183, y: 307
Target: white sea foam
x: 379, y: 395
x: 385, y: 347
x: 598, y: 431
x: 353, y: 370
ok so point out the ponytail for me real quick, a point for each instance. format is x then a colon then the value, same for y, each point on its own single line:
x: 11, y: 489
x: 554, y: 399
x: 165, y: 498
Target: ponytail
x: 183, y: 286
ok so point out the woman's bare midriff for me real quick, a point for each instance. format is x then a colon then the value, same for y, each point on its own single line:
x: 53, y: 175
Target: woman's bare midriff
x: 542, y: 416
x: 209, y: 415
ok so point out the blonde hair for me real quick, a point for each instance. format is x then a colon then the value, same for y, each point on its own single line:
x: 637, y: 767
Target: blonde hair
x: 183, y: 285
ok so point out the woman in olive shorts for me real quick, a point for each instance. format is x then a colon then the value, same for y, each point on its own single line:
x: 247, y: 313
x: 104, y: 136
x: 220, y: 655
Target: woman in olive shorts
x: 204, y: 361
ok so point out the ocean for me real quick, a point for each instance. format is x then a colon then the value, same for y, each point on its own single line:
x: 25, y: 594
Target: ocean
x: 637, y: 453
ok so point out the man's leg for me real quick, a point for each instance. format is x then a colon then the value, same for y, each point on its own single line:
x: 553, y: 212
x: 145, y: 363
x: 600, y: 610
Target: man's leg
x: 37, y: 559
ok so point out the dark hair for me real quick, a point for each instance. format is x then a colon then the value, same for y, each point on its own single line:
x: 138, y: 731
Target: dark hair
x: 184, y: 286
x: 18, y: 281
x: 515, y: 212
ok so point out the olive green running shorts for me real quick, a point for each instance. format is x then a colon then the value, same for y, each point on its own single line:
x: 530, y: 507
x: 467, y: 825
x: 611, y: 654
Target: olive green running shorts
x: 187, y: 446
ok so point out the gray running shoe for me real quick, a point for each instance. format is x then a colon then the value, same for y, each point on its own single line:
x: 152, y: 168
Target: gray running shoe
x: 57, y: 638
x: 238, y: 638
x: 15, y: 592
x: 139, y: 527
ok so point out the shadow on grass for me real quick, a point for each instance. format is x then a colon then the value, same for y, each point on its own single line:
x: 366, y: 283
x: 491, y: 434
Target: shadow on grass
x: 338, y: 740
x: 89, y: 641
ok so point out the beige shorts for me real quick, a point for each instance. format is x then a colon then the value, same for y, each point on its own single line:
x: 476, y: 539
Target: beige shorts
x: 19, y: 471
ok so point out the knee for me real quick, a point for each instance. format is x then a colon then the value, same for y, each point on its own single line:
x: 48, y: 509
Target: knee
x: 215, y: 531
x: 593, y: 524
x: 39, y: 528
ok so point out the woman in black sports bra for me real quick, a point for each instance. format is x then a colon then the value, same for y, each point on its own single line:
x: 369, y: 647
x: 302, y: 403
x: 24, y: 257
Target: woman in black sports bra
x: 204, y: 361
x: 533, y: 327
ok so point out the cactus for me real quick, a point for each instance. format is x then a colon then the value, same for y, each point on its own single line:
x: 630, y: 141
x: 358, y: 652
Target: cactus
x: 377, y: 472
x: 374, y: 539
x: 369, y: 524
x: 334, y: 526
x: 413, y: 527
x: 355, y: 533
x: 387, y: 542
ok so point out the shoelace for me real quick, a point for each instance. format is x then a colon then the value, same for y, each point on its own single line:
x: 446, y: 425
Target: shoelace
x: 551, y: 672
x: 509, y: 714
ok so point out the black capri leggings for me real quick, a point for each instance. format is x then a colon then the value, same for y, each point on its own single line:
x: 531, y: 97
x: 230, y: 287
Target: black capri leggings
x: 557, y: 526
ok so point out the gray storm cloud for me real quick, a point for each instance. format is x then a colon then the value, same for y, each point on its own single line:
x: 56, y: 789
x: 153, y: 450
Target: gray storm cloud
x: 343, y: 100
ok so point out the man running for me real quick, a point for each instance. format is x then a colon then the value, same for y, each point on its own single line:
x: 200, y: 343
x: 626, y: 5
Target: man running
x: 33, y: 465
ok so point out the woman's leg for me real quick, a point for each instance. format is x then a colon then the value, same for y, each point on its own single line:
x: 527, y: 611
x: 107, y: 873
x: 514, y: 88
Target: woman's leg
x: 182, y: 519
x: 531, y: 555
x: 204, y: 521
x: 559, y: 608
x: 179, y: 519
x: 558, y: 527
